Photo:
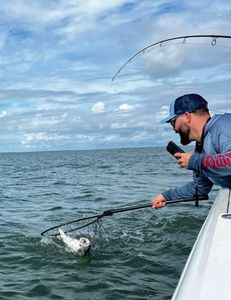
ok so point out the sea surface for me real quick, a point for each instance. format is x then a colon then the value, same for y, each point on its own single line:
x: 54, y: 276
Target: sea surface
x: 135, y: 255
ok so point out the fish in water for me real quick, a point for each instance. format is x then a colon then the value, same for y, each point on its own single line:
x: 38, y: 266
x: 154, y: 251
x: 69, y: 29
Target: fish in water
x: 81, y: 246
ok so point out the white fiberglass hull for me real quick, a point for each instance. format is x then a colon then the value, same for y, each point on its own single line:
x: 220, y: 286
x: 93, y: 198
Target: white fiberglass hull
x: 207, y: 273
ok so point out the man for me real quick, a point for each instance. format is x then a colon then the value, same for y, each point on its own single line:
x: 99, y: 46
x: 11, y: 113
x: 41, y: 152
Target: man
x: 211, y: 161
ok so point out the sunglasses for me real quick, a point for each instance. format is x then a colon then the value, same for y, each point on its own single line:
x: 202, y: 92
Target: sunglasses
x: 173, y: 121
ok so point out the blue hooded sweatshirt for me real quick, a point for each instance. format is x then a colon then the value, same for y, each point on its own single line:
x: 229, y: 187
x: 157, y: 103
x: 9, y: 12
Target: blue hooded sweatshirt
x: 213, y: 164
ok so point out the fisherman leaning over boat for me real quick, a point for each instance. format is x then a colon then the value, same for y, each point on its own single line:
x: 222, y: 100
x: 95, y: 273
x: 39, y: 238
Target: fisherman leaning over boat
x: 211, y: 160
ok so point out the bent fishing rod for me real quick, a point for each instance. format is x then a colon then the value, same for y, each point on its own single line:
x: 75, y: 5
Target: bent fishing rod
x: 87, y: 221
x: 214, y: 38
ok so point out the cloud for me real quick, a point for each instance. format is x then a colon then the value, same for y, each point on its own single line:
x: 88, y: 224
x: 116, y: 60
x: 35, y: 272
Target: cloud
x: 163, y: 113
x: 3, y: 114
x: 98, y: 107
x: 119, y: 125
x: 58, y: 58
x: 126, y: 106
x: 41, y: 136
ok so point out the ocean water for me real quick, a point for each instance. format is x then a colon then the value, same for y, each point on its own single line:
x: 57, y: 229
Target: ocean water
x: 134, y: 255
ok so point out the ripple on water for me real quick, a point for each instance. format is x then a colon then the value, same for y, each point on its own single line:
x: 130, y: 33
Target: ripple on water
x: 134, y: 255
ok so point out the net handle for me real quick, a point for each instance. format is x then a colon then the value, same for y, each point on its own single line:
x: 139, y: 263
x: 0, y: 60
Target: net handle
x: 123, y: 209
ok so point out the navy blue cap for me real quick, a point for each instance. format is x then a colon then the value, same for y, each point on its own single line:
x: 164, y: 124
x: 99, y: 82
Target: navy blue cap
x: 186, y: 103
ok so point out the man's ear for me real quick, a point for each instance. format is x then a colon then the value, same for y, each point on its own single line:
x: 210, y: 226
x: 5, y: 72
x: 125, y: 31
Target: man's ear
x: 188, y: 117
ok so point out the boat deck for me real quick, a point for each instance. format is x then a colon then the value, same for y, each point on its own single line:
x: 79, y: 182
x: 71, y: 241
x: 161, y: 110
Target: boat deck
x: 207, y: 272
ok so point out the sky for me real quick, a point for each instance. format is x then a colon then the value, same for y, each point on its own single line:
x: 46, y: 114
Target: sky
x: 58, y: 58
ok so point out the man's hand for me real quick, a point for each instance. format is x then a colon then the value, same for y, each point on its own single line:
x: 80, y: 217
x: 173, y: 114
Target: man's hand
x: 183, y: 159
x: 158, y: 202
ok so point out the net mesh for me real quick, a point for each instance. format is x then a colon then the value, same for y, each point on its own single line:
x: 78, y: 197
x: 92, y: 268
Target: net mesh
x: 84, y: 225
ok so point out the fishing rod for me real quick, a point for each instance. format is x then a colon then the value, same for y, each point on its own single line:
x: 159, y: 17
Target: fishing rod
x: 214, y: 38
x: 87, y: 221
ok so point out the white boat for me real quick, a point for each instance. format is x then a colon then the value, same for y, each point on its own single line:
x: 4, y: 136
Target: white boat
x: 207, y: 273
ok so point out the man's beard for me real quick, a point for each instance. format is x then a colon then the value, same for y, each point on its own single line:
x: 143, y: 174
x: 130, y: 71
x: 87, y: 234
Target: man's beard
x: 184, y: 138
